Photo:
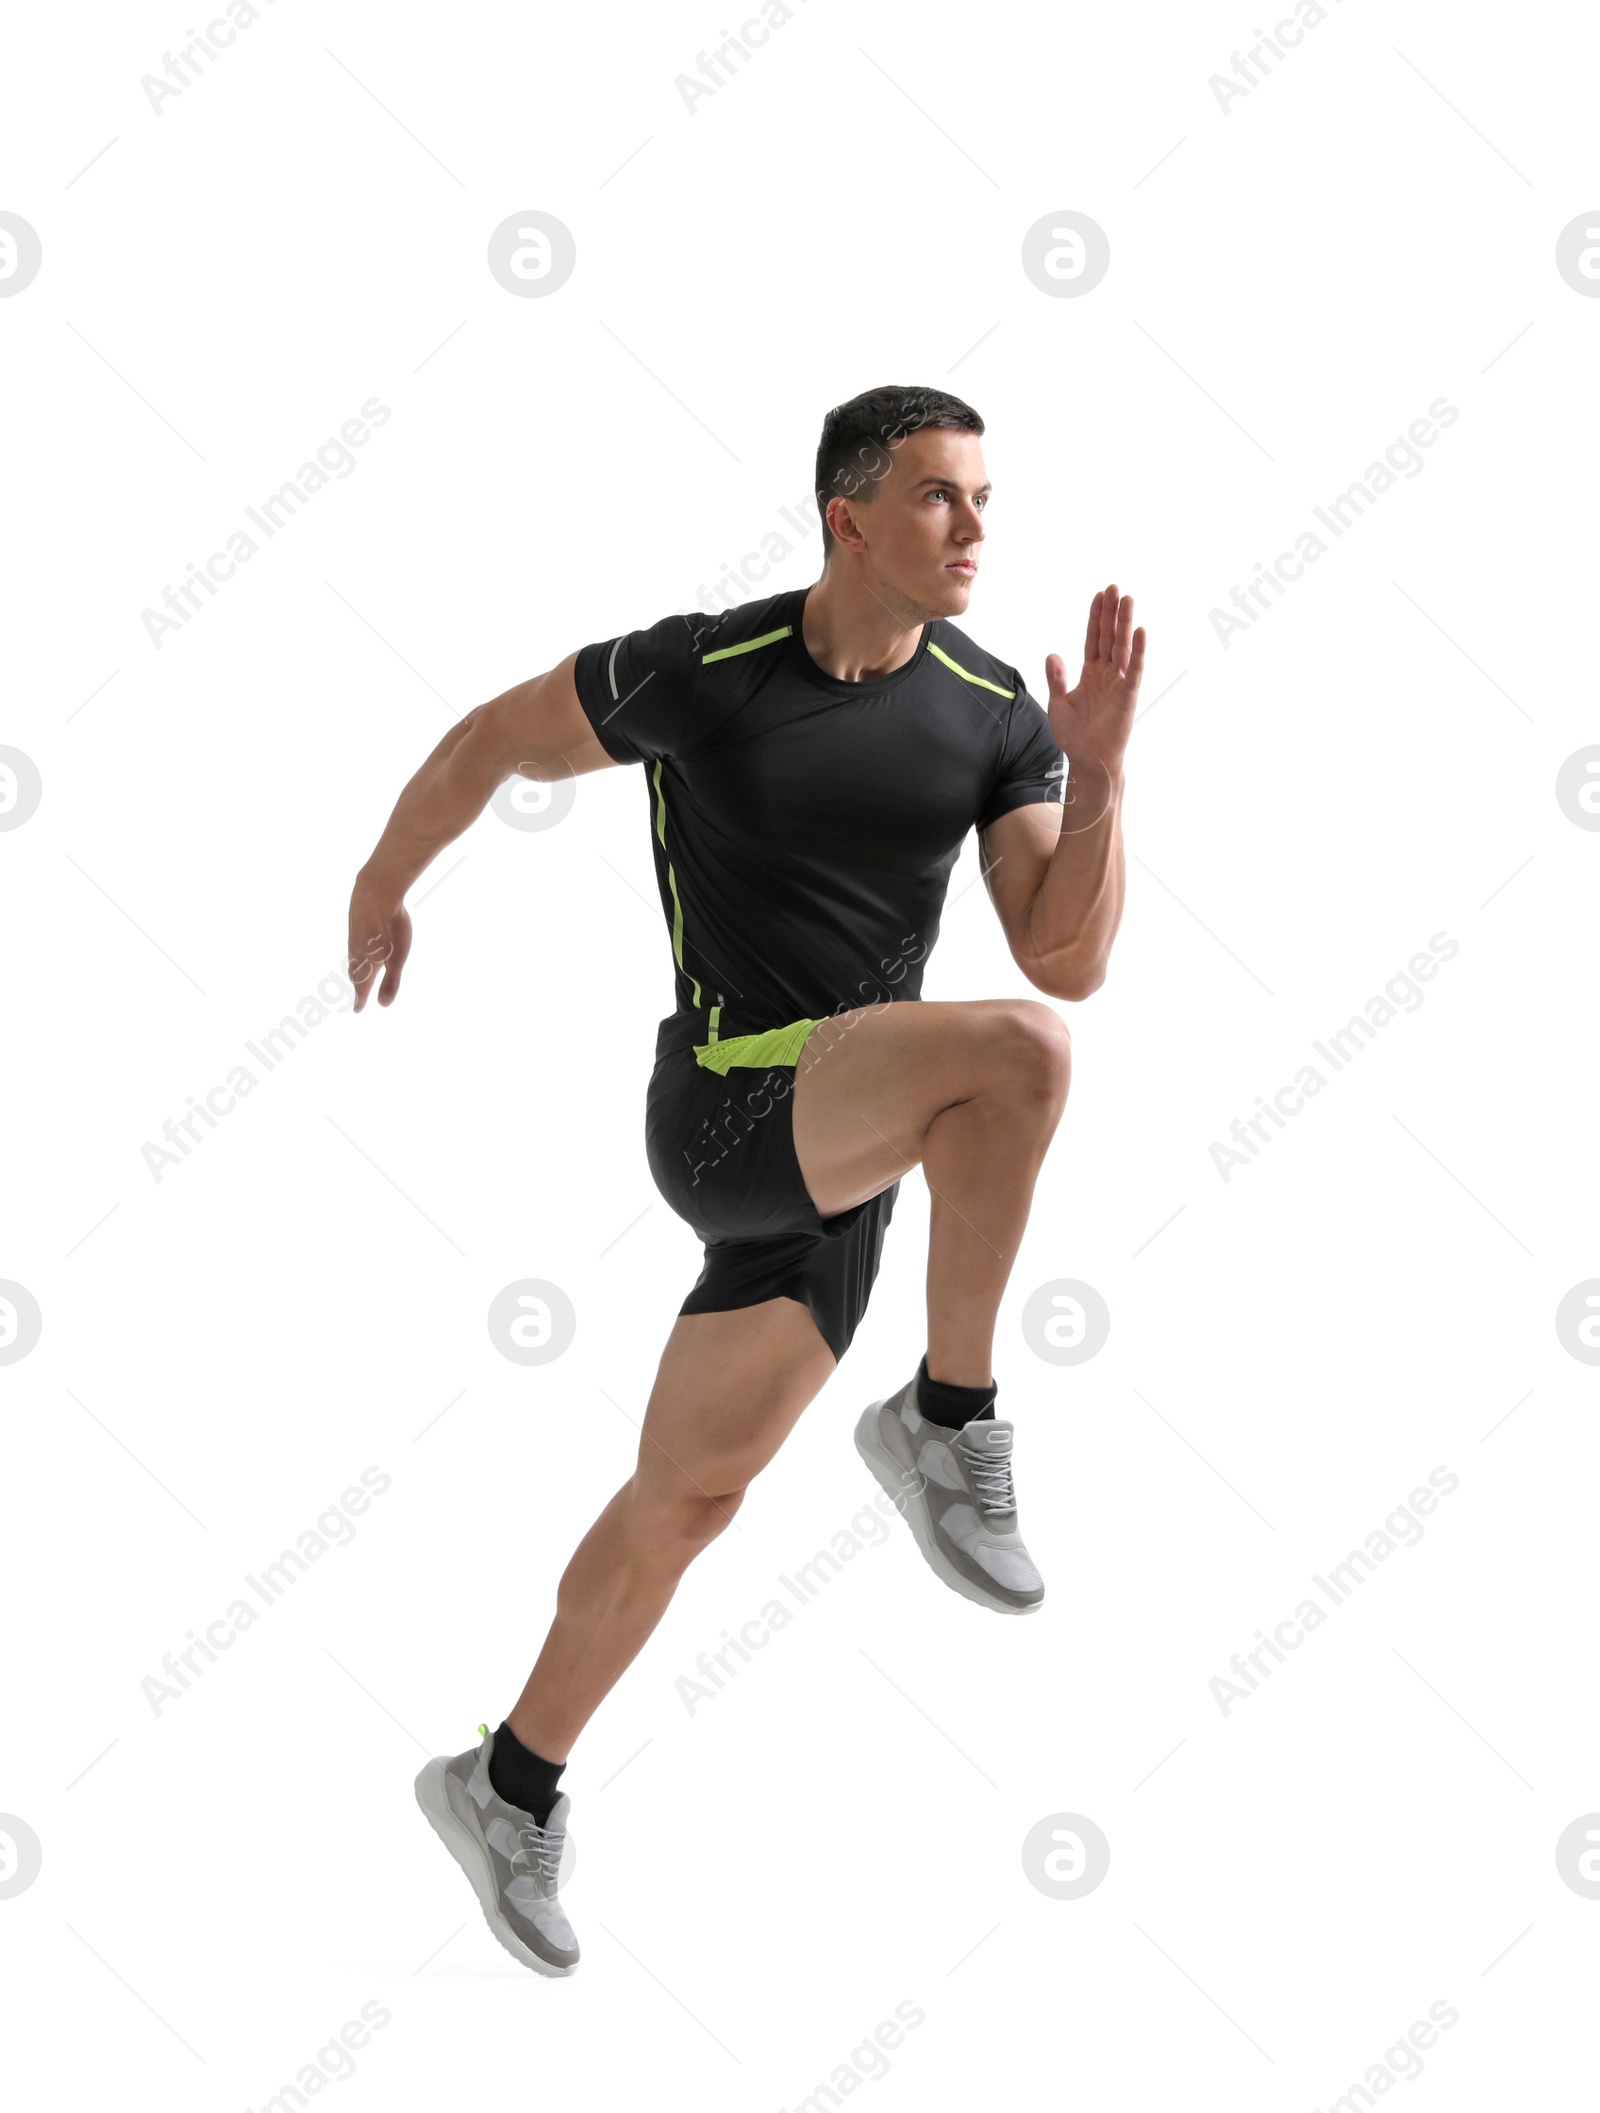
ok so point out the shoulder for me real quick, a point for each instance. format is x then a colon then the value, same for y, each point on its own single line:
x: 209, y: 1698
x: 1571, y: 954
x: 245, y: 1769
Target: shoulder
x: 693, y: 639
x: 671, y: 642
x: 961, y: 656
x: 740, y: 635
x: 668, y: 688
x: 676, y: 648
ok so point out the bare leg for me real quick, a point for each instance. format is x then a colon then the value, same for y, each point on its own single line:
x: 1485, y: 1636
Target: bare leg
x: 729, y: 1389
x: 981, y: 1158
x: 971, y: 1091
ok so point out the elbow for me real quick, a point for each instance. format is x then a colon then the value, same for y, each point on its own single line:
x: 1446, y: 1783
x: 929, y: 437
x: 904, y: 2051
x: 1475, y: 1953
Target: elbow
x: 1066, y: 979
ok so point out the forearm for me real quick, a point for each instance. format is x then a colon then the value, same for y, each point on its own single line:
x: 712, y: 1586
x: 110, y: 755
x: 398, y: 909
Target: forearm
x: 1078, y: 907
x: 445, y: 797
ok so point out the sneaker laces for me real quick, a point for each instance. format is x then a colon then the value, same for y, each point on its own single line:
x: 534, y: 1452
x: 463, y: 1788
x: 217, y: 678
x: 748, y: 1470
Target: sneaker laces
x: 541, y: 1850
x: 991, y: 1477
x: 541, y: 1847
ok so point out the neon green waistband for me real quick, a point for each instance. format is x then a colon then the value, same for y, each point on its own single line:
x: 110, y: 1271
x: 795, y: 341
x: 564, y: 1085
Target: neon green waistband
x: 760, y: 1052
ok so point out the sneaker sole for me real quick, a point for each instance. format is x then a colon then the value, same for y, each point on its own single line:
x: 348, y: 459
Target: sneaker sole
x: 890, y: 1476
x: 433, y: 1796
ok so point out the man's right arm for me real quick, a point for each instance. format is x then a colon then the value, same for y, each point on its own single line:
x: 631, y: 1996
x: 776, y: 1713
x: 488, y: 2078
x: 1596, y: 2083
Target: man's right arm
x: 539, y: 730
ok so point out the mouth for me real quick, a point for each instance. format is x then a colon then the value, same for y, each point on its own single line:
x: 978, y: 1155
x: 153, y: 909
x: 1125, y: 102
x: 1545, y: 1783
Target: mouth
x: 965, y: 567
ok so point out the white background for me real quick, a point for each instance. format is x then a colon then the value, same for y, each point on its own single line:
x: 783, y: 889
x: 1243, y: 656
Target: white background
x: 1372, y: 1297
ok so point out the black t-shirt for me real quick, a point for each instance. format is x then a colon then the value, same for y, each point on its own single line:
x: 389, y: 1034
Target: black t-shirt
x: 805, y: 827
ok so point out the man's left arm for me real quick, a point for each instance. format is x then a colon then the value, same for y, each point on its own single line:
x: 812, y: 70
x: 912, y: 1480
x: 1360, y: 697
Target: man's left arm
x: 1056, y: 874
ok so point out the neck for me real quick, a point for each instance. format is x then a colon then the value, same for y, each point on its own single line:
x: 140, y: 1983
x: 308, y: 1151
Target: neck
x: 857, y: 629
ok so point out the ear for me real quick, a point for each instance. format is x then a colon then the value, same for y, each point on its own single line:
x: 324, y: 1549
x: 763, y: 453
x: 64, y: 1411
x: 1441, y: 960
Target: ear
x: 842, y: 521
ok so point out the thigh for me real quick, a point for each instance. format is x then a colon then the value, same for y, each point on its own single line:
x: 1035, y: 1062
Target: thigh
x: 729, y: 1389
x: 869, y: 1083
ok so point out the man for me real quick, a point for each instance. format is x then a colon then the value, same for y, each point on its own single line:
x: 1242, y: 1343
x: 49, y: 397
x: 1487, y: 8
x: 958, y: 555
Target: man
x: 814, y: 760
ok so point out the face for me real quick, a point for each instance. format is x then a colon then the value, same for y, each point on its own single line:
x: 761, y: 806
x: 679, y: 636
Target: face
x: 918, y: 529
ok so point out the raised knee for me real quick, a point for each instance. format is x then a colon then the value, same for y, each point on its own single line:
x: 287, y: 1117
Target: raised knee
x: 1034, y: 1046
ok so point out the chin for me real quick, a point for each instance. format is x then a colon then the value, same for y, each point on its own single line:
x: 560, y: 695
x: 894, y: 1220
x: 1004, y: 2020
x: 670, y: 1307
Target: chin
x: 937, y: 594
x: 954, y: 593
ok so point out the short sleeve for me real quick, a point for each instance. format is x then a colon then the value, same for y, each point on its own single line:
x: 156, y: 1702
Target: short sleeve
x: 1031, y: 766
x: 638, y: 690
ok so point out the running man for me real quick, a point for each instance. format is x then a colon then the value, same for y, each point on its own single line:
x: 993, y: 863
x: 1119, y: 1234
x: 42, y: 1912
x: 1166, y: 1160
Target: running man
x: 813, y: 763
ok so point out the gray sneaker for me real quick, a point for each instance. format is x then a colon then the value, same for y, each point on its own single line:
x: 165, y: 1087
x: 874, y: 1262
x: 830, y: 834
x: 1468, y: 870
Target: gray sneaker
x: 514, y: 1864
x: 955, y: 1491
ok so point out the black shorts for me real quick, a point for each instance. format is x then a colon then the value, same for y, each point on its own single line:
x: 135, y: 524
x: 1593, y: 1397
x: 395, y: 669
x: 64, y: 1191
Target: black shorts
x: 721, y: 1150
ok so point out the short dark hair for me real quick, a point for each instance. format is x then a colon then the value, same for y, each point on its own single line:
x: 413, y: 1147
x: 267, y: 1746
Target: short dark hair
x: 857, y: 437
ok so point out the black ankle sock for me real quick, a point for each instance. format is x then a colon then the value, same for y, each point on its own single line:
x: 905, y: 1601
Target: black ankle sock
x: 522, y: 1777
x: 951, y: 1407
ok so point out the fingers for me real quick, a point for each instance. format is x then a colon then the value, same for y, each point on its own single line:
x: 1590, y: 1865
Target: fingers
x: 359, y: 969
x: 1119, y: 653
x: 1108, y: 624
x: 1136, y: 659
x: 397, y: 946
x: 366, y: 957
x: 1110, y: 634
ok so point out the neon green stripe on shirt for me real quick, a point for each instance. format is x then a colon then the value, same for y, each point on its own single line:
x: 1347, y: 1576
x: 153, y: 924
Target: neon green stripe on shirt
x: 672, y: 883
x: 749, y: 646
x: 966, y: 674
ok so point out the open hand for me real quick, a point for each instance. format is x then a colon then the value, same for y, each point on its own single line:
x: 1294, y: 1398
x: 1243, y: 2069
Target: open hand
x: 1091, y: 724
